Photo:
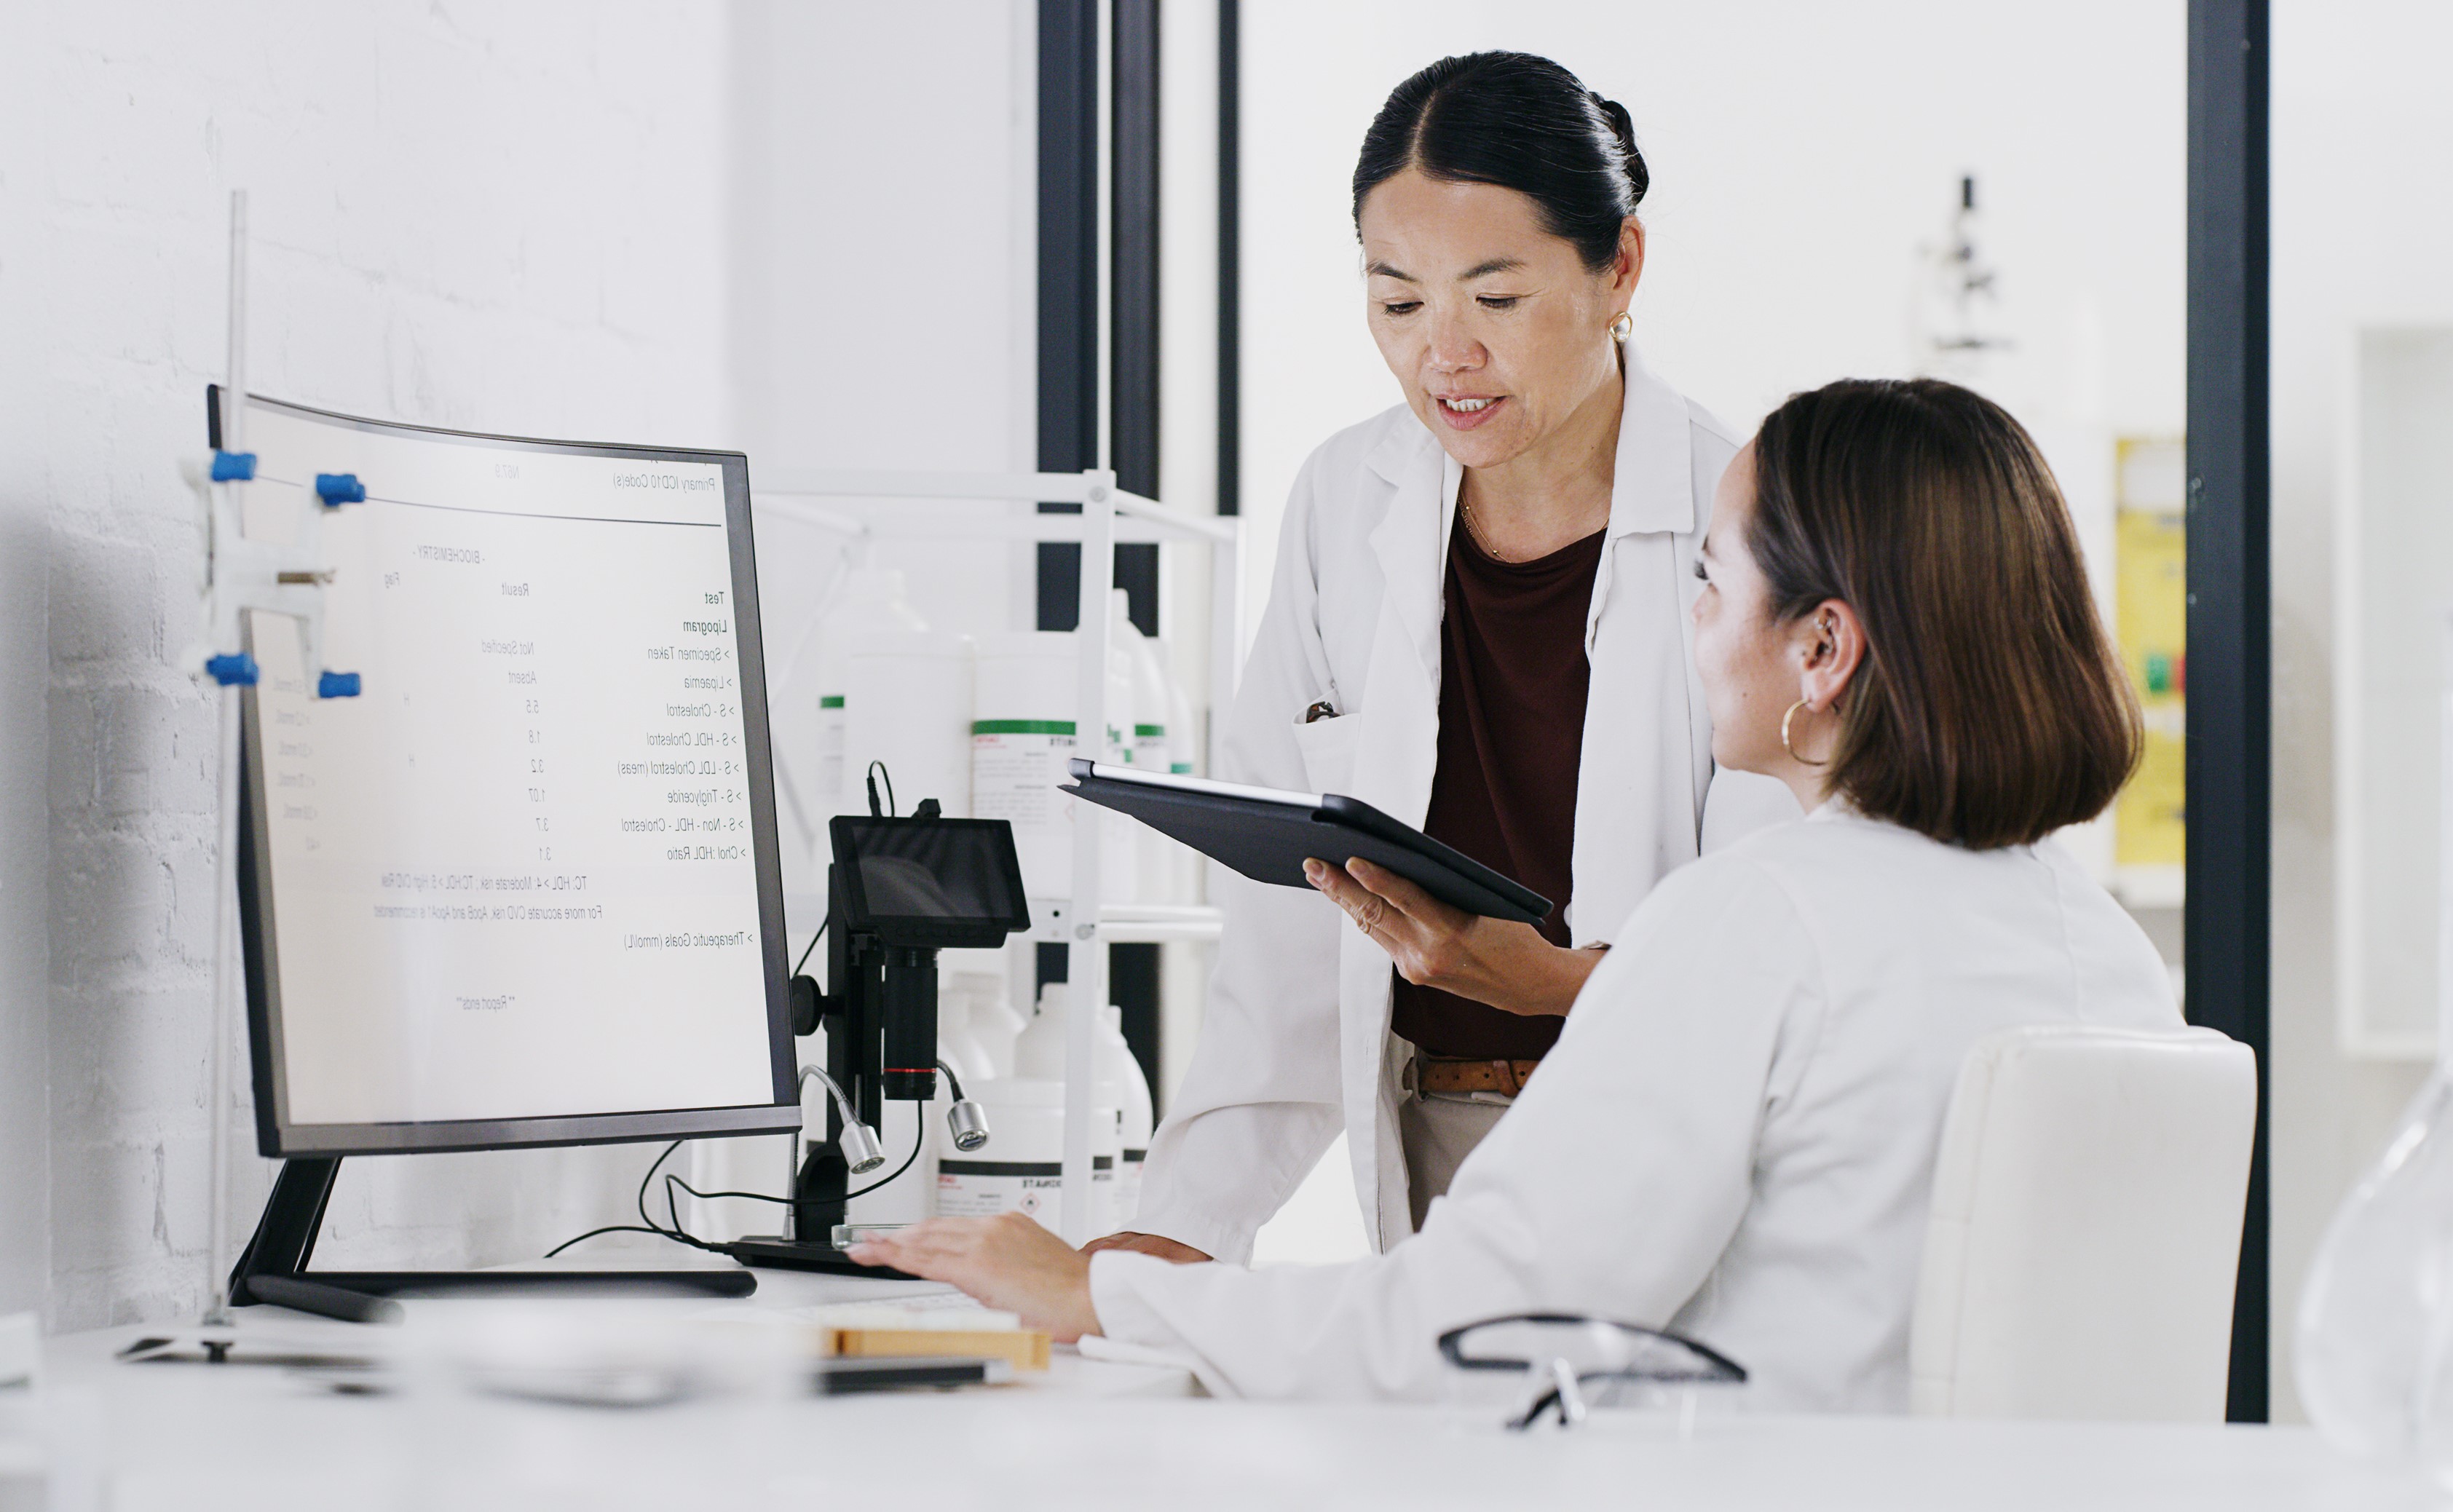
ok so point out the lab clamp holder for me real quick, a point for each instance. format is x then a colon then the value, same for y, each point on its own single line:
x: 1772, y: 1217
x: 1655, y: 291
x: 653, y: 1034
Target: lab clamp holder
x: 239, y: 576
x: 898, y: 892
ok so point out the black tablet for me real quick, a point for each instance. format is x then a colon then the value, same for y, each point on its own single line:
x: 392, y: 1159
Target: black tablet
x: 1267, y: 834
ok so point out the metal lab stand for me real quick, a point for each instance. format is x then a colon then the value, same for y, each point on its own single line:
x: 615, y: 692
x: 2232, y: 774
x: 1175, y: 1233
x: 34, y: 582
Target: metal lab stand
x: 1086, y: 922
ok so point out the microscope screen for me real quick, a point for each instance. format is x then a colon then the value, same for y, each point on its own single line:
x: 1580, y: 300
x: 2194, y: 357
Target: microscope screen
x: 950, y: 871
x: 517, y: 877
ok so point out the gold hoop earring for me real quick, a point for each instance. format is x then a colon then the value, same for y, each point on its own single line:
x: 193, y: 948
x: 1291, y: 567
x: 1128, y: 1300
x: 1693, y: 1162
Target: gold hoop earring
x: 1783, y: 737
x: 1623, y: 328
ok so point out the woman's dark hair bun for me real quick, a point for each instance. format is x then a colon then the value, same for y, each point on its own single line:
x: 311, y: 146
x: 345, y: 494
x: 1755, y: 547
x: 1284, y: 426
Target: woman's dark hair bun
x: 1639, y: 178
x: 1520, y: 122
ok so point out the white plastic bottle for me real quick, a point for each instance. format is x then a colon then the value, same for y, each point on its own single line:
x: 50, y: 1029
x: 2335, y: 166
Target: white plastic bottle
x: 872, y: 599
x: 1136, y: 1114
x: 1020, y: 1170
x: 1116, y: 1083
x: 995, y: 1026
x: 959, y: 1006
x: 908, y: 696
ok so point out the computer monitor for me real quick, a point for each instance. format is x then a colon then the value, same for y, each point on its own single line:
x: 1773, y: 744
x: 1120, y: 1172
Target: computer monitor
x: 524, y: 889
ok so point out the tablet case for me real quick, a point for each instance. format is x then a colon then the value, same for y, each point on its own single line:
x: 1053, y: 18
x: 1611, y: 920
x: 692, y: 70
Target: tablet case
x: 1268, y: 839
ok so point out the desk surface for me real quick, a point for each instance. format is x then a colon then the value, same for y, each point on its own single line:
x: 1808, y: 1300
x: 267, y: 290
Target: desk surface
x: 200, y: 1438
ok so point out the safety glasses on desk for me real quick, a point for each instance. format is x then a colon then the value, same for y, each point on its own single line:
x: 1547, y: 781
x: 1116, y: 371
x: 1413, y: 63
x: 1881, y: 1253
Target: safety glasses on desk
x: 1563, y: 1353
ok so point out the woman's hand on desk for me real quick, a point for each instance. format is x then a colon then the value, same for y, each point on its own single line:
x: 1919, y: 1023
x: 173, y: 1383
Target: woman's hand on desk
x: 1506, y: 964
x: 1008, y: 1262
x: 1165, y: 1248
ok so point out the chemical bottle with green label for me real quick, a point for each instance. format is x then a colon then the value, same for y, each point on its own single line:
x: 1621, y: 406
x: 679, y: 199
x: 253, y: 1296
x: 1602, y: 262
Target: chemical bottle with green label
x: 1027, y: 685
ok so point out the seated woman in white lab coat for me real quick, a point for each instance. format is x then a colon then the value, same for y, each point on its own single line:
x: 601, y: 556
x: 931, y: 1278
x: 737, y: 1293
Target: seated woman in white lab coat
x: 1895, y: 623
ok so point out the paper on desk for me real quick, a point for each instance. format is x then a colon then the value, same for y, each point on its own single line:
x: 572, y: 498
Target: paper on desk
x: 905, y: 1319
x: 966, y: 1318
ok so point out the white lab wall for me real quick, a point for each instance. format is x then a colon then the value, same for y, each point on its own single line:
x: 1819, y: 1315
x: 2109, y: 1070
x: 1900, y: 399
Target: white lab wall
x: 25, y: 734
x: 884, y: 273
x: 506, y: 219
x: 2362, y: 128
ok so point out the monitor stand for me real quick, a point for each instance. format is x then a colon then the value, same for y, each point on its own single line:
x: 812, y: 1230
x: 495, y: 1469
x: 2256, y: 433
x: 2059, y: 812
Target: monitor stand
x: 273, y: 1267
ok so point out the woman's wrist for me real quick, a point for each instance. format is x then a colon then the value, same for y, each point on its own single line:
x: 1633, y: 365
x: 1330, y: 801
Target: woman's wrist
x: 1537, y: 979
x: 1564, y: 978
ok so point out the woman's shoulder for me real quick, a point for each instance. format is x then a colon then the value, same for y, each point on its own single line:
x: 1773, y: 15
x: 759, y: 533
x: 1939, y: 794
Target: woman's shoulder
x: 1834, y: 860
x: 1878, y: 889
x: 1837, y: 844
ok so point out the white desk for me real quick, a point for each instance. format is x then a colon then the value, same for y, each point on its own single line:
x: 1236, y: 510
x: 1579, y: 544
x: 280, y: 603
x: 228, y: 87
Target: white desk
x: 197, y: 1438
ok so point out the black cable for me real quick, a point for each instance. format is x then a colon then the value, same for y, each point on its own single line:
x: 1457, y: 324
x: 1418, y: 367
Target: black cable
x: 671, y: 1181
x: 672, y: 1214
x: 877, y: 770
x: 659, y: 1160
x: 651, y: 1226
x: 953, y: 1082
x: 610, y: 1228
x: 813, y: 944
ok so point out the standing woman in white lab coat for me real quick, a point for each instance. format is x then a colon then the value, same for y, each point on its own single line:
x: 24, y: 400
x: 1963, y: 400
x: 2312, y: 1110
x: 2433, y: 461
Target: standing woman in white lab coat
x: 1478, y: 626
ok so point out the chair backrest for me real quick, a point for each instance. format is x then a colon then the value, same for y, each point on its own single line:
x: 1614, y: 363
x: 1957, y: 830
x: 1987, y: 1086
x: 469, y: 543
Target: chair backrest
x: 2085, y: 1233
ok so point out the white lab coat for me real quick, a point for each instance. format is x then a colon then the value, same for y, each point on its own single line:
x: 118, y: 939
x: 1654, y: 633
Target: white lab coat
x: 1734, y: 1139
x: 1296, y: 1041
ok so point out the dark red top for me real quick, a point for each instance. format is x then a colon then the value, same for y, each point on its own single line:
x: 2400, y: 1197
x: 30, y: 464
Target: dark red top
x: 1512, y: 683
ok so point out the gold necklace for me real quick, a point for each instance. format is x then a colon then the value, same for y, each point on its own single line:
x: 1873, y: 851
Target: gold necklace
x: 1465, y: 508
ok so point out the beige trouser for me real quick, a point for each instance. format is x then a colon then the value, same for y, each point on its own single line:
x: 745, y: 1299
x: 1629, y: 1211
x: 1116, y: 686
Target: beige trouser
x: 1439, y: 1132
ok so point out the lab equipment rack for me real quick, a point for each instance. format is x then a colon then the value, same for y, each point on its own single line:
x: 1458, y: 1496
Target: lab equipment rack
x: 862, y: 506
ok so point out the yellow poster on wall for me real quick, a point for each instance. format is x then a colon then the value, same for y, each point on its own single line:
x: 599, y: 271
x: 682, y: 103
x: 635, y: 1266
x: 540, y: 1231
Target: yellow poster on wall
x: 2149, y: 819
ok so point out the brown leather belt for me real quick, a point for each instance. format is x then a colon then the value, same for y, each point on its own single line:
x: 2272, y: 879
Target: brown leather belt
x: 1454, y: 1077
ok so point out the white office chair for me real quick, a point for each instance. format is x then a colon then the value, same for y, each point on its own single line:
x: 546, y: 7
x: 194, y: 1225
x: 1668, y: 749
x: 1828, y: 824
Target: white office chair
x: 2085, y: 1227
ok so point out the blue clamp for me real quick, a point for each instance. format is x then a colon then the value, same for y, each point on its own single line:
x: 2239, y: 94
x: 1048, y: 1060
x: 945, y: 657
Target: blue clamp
x: 337, y: 684
x: 337, y: 488
x: 233, y: 467
x: 236, y: 670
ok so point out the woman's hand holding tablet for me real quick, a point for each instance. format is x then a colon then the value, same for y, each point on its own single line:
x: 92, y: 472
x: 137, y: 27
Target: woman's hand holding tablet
x: 1503, y: 963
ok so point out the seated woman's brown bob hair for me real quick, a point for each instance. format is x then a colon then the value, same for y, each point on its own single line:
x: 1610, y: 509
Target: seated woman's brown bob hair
x: 1989, y: 709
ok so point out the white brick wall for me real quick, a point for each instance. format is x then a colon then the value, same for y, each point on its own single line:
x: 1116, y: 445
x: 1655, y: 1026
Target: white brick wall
x: 805, y: 226
x: 512, y: 217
